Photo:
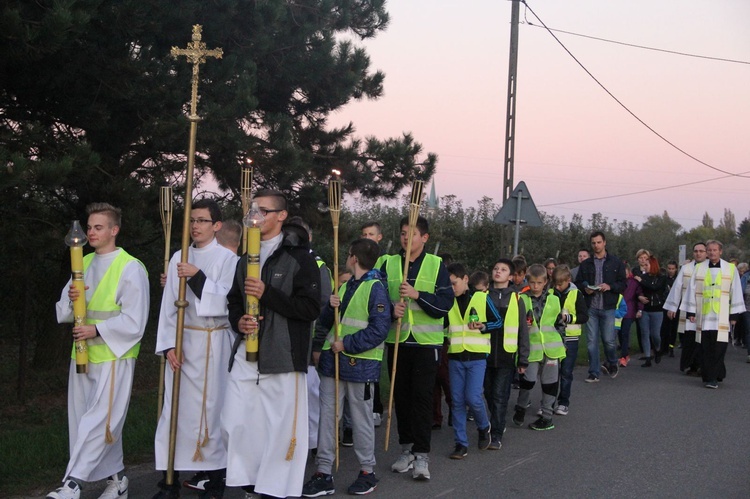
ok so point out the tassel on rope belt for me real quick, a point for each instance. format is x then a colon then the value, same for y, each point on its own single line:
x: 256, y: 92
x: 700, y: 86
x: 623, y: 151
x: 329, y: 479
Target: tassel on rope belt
x: 203, y: 425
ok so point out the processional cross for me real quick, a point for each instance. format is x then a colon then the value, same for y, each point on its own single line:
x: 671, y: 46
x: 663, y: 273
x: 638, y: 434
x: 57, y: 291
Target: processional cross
x: 196, y: 54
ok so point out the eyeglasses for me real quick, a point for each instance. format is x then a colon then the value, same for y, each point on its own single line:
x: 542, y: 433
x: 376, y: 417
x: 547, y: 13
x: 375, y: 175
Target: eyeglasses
x: 265, y: 211
x: 200, y: 221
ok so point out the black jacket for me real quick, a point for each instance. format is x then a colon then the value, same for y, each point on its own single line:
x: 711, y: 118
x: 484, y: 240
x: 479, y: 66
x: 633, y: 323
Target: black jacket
x: 613, y: 274
x: 290, y: 302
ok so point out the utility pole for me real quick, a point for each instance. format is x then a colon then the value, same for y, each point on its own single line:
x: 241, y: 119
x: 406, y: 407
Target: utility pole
x: 510, y: 121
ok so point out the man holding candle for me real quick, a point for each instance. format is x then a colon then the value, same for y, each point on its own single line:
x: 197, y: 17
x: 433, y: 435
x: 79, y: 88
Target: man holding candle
x: 264, y: 420
x: 206, y: 344
x: 117, y: 298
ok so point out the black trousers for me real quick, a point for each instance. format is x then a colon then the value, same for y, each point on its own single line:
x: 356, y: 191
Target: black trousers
x: 691, y: 352
x: 412, y: 394
x: 712, y: 357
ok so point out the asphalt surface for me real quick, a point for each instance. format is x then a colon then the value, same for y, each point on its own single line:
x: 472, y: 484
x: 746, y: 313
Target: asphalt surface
x: 648, y: 433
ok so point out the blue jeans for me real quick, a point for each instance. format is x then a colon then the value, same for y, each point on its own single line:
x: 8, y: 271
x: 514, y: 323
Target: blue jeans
x: 467, y: 379
x: 566, y: 372
x: 651, y: 331
x: 601, y: 323
x: 497, y: 383
x: 625, y: 336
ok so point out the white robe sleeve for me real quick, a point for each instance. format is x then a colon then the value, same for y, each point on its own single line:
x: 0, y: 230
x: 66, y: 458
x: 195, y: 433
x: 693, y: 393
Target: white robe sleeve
x: 64, y: 308
x: 675, y: 294
x: 125, y: 330
x: 219, y: 276
x: 690, y: 305
x: 736, y: 297
x: 166, y: 330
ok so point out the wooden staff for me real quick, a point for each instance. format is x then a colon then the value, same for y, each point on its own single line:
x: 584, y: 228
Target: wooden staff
x: 416, y: 201
x: 334, y: 206
x: 165, y: 209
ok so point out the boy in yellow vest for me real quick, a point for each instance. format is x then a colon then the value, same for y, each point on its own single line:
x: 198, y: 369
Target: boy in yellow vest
x: 117, y: 302
x: 468, y: 347
x: 547, y: 349
x: 509, y: 346
x: 365, y: 317
x: 428, y: 296
x: 574, y: 313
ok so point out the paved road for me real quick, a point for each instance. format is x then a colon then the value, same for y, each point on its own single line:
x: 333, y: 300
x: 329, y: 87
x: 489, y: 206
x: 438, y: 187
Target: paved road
x: 648, y: 433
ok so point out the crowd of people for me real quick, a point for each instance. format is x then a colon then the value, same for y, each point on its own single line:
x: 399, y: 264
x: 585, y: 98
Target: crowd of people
x: 472, y: 336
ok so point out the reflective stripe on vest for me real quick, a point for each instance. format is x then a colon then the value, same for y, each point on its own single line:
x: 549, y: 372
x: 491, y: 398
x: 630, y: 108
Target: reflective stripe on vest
x: 460, y: 336
x: 618, y: 320
x: 570, y: 307
x: 355, y: 318
x: 102, y: 306
x: 543, y: 337
x: 510, y: 325
x: 425, y: 329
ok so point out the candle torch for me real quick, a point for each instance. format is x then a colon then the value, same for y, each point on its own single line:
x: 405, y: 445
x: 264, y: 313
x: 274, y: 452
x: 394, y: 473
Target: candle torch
x: 76, y: 239
x: 252, y: 222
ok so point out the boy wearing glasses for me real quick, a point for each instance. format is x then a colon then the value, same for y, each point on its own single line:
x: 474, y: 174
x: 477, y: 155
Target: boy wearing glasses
x: 264, y: 419
x: 206, y: 344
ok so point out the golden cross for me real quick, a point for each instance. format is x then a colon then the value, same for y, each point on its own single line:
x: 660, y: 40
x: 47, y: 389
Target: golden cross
x: 196, y: 54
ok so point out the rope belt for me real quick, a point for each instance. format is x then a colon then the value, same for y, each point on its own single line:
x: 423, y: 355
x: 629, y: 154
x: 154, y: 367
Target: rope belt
x: 108, y: 437
x: 293, y: 441
x: 203, y: 425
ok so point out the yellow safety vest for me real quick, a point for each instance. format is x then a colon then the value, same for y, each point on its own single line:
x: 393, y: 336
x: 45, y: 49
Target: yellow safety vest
x: 570, y: 305
x: 320, y: 263
x: 356, y: 317
x: 102, y: 306
x: 462, y: 338
x: 618, y: 320
x: 425, y: 329
x: 712, y: 289
x: 543, y: 337
x: 510, y: 325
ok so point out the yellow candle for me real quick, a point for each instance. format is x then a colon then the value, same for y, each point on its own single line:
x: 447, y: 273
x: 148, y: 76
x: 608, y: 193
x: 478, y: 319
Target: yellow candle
x: 79, y: 306
x: 252, y: 235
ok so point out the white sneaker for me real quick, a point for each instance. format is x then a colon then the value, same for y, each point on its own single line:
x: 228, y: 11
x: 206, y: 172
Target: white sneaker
x: 69, y: 490
x: 404, y: 463
x: 116, y: 489
x: 421, y: 469
x: 377, y: 419
x: 562, y: 410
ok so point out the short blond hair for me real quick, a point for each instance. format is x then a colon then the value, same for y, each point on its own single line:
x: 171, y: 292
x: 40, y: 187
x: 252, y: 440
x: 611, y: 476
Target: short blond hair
x: 114, y: 214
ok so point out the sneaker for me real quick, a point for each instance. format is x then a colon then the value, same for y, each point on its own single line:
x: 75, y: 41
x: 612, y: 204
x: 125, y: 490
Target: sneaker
x: 647, y: 363
x: 622, y: 362
x: 484, y: 438
x: 605, y: 368
x: 197, y: 482
x: 404, y: 463
x: 542, y: 424
x: 712, y: 384
x: 117, y: 488
x: 592, y: 379
x: 459, y: 452
x: 519, y: 416
x: 562, y: 410
x: 657, y: 357
x: 377, y: 419
x: 69, y: 490
x: 348, y: 440
x: 495, y: 444
x: 613, y: 371
x: 364, y: 484
x: 421, y: 469
x: 319, y: 484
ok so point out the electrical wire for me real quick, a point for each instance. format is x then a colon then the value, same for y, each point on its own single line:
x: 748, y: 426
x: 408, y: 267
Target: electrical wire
x: 674, y: 52
x: 731, y: 174
x: 656, y: 189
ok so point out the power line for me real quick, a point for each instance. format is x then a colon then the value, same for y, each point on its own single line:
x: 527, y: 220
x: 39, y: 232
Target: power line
x: 624, y: 106
x: 644, y: 191
x: 674, y: 52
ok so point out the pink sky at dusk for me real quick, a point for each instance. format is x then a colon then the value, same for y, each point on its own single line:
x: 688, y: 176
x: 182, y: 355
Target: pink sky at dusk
x: 446, y: 66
